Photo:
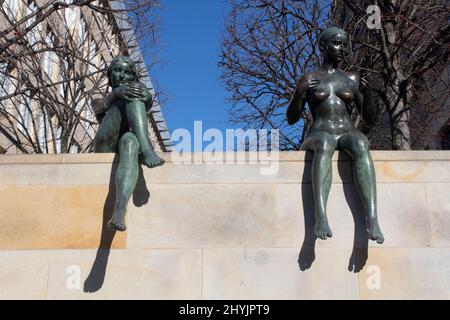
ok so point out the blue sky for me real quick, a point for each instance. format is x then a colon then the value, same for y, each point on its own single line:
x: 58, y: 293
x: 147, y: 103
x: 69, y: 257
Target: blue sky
x: 191, y: 37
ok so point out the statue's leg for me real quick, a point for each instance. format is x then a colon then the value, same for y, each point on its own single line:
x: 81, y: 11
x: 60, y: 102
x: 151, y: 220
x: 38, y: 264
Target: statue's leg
x: 357, y: 146
x: 109, y: 131
x: 137, y: 118
x: 323, y: 145
x: 126, y: 179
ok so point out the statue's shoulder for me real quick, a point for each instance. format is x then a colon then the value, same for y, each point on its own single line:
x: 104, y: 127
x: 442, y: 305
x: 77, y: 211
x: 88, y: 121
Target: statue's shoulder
x: 310, y: 75
x: 353, y: 76
x: 304, y: 77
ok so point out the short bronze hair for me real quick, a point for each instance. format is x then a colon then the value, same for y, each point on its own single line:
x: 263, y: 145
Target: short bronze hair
x: 328, y: 34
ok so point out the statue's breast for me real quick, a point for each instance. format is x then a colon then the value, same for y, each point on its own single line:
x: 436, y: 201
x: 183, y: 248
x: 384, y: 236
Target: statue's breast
x: 321, y: 94
x: 337, y: 86
x: 345, y: 94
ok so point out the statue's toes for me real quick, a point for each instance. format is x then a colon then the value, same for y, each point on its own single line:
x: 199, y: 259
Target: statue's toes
x: 321, y: 235
x: 379, y: 239
x: 116, y: 226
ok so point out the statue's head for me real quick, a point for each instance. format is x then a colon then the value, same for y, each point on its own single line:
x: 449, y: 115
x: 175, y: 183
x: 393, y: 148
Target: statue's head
x: 121, y: 70
x: 333, y: 43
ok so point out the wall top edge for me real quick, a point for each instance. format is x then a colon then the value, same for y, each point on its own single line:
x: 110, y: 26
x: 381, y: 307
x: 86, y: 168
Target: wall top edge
x: 285, y: 156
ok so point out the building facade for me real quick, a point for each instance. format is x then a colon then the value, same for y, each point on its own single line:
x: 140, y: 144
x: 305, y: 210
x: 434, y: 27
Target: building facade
x: 53, y: 61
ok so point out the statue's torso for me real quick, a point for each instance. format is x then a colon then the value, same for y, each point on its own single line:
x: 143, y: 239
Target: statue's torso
x: 330, y: 100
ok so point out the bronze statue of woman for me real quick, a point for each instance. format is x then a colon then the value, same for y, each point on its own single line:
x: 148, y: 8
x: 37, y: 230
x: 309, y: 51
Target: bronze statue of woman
x: 124, y: 129
x: 330, y: 92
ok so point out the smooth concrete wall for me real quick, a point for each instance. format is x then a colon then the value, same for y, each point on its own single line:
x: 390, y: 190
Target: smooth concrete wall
x: 222, y: 231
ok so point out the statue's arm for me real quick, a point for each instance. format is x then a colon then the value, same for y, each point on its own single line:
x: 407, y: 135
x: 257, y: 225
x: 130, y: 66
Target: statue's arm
x: 126, y: 92
x: 364, y: 101
x: 147, y: 96
x: 101, y: 105
x: 297, y: 103
x: 147, y: 99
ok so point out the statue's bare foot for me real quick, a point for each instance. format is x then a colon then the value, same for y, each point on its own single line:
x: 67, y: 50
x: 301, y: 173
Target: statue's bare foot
x: 322, y: 230
x: 116, y: 223
x: 152, y: 160
x: 375, y: 233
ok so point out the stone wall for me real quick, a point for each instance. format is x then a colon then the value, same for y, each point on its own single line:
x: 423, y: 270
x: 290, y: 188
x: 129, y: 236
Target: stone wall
x: 222, y: 231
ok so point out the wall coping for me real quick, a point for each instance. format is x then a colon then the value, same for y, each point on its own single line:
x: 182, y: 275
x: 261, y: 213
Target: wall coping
x: 284, y: 156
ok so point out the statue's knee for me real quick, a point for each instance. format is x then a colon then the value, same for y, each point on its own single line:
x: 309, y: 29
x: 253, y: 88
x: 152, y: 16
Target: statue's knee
x: 360, y: 147
x: 133, y: 104
x: 325, y: 147
x: 129, y: 143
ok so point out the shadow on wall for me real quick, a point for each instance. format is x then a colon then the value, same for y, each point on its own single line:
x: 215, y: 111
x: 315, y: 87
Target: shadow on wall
x: 141, y: 196
x: 359, y: 254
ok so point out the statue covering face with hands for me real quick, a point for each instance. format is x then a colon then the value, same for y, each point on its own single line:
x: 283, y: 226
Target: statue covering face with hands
x: 330, y: 94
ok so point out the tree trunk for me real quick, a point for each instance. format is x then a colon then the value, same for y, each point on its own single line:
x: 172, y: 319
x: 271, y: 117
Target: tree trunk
x: 399, y: 113
x: 397, y: 88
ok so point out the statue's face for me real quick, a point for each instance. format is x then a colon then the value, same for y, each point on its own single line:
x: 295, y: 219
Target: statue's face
x: 337, y: 47
x: 121, y: 73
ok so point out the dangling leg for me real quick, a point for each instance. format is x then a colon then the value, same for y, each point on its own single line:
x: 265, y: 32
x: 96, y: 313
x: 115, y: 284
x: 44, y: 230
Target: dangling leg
x: 126, y: 178
x: 137, y: 118
x: 357, y: 146
x: 323, y: 146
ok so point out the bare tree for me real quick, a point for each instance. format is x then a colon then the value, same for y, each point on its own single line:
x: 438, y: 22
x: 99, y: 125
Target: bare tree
x: 406, y: 60
x: 269, y: 44
x: 52, y: 65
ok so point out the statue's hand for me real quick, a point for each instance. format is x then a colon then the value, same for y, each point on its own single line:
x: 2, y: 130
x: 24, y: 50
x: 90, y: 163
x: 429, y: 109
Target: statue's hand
x: 139, y: 91
x: 308, y: 84
x: 130, y: 91
x: 313, y: 84
x: 121, y: 92
x: 364, y: 86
